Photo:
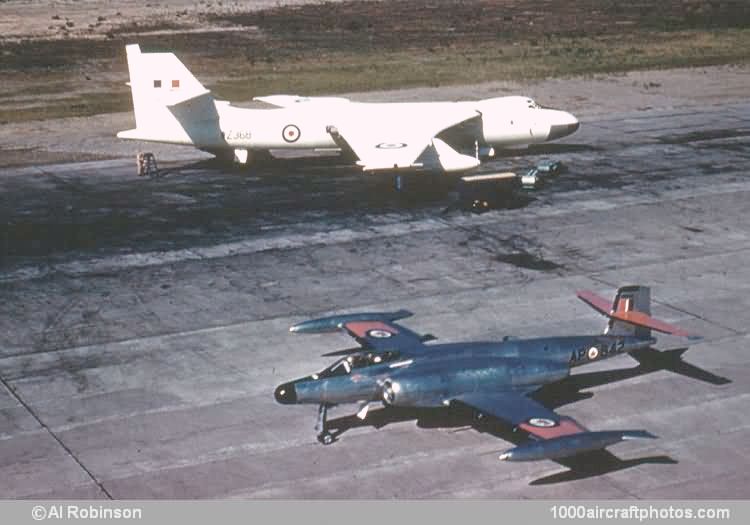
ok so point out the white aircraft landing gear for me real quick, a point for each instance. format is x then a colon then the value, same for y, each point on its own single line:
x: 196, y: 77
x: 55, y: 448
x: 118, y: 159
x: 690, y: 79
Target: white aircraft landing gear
x: 324, y: 436
x: 146, y: 164
x: 241, y: 158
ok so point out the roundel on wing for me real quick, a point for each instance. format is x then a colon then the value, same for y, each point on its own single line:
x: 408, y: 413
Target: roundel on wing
x: 593, y: 352
x: 541, y: 422
x: 379, y: 334
x: 391, y: 145
x: 290, y: 133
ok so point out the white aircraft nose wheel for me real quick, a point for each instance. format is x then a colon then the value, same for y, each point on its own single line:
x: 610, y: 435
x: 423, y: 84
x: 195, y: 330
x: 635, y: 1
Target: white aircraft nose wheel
x: 326, y: 438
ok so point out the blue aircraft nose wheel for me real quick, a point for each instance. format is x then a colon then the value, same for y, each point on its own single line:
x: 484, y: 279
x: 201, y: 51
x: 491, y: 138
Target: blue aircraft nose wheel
x: 326, y: 438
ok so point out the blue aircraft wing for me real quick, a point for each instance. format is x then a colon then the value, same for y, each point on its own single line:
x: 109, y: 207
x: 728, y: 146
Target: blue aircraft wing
x: 523, y: 412
x: 374, y: 331
x: 384, y: 336
x: 555, y: 437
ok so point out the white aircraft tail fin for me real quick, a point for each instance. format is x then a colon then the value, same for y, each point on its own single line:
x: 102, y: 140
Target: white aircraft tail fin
x: 159, y: 83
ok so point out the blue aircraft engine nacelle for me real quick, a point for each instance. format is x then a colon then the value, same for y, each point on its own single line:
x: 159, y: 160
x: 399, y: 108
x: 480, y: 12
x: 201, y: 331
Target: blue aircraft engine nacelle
x: 437, y: 384
x: 390, y: 390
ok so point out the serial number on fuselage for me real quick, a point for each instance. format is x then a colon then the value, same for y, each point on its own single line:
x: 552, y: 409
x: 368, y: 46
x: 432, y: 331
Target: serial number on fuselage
x: 237, y: 135
x: 597, y: 351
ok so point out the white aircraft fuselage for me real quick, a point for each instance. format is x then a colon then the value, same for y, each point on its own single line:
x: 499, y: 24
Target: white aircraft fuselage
x: 171, y: 106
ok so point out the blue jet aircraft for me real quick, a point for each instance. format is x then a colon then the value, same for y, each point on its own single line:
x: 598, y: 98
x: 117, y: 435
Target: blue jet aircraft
x: 395, y: 366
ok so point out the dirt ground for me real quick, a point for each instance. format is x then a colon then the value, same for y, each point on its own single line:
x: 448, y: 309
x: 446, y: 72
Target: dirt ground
x: 37, y: 19
x: 419, y: 22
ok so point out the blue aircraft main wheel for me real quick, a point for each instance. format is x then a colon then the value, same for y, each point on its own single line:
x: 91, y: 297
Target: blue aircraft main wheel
x: 480, y: 419
x: 326, y: 438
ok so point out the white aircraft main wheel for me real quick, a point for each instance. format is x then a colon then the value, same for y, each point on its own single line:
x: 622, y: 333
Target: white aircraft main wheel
x: 326, y: 438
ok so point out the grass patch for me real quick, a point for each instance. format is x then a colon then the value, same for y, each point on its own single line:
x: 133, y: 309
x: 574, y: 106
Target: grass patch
x: 83, y: 105
x: 342, y: 72
x: 370, y: 45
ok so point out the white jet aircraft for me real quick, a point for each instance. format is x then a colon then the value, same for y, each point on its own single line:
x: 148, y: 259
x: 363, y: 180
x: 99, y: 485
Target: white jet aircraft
x: 172, y: 106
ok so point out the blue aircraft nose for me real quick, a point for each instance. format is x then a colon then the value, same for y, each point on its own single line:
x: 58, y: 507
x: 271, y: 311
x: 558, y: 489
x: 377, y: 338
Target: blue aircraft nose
x: 286, y: 394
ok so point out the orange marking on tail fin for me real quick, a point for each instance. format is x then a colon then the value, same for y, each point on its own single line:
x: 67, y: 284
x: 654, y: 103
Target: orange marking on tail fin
x: 624, y: 305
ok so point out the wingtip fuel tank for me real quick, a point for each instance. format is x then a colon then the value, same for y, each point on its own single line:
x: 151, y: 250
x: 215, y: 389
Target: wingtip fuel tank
x: 570, y: 445
x: 333, y: 323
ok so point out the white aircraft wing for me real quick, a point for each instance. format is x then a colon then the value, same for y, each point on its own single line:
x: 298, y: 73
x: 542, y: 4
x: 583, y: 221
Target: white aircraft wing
x: 396, y: 139
x: 286, y: 101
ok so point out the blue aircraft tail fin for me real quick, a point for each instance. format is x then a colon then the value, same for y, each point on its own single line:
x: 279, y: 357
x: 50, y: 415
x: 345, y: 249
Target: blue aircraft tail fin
x: 630, y: 299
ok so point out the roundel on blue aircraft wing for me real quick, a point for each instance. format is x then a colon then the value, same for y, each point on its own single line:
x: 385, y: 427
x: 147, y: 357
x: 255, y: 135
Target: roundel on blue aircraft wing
x: 541, y: 422
x: 379, y: 334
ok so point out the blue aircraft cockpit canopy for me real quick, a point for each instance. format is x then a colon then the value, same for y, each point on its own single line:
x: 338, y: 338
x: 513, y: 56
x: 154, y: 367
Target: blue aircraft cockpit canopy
x: 345, y: 365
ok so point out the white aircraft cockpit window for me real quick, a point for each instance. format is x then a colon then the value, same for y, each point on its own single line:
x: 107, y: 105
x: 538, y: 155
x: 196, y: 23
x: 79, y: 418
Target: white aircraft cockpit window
x: 157, y: 83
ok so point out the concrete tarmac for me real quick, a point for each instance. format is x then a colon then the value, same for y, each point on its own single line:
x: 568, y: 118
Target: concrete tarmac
x: 143, y: 323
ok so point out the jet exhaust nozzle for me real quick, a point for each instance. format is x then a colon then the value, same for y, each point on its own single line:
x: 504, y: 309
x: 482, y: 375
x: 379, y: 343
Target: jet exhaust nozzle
x: 571, y: 445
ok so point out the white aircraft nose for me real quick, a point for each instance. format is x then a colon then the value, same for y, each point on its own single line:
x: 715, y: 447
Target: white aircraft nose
x: 563, y: 124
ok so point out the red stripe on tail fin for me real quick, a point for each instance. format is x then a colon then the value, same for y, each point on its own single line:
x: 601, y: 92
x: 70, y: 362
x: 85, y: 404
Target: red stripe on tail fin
x: 624, y: 305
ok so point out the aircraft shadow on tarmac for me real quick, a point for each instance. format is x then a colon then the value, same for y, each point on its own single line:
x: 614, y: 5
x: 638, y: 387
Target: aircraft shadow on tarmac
x: 322, y: 182
x: 547, y: 149
x: 567, y: 391
x: 201, y: 203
